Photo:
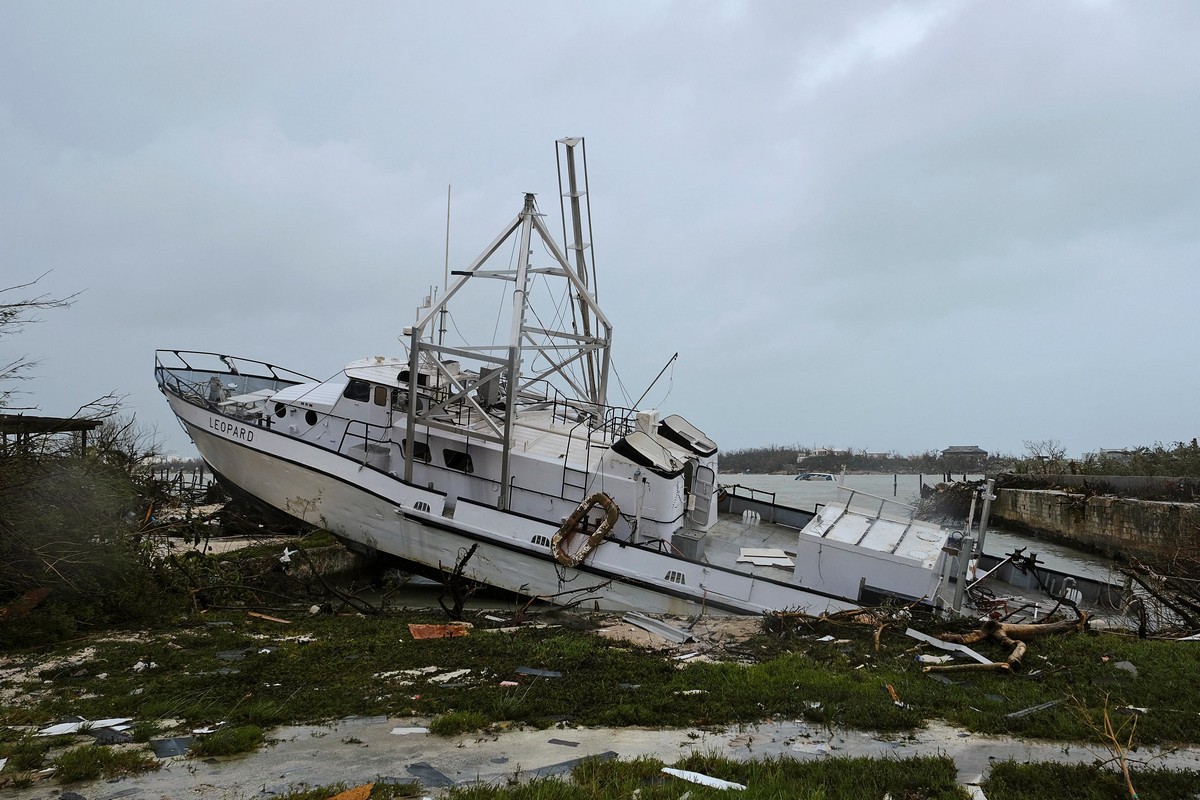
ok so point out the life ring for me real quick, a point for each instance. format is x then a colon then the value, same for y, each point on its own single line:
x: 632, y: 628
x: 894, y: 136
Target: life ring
x: 577, y: 523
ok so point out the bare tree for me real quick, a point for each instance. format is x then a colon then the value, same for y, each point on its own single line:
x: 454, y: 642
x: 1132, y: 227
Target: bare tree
x: 1045, y: 454
x: 15, y: 313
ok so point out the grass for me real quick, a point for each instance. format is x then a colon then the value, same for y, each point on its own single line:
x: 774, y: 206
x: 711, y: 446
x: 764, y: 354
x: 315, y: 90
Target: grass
x: 921, y: 778
x: 1047, y: 781
x: 91, y: 761
x: 457, y: 722
x: 257, y: 673
x: 228, y: 742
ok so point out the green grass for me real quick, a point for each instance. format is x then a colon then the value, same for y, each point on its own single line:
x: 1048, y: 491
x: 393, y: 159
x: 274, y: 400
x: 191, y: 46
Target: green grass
x: 925, y: 778
x: 26, y: 753
x: 456, y: 722
x: 1048, y: 781
x: 328, y: 667
x: 91, y: 761
x: 228, y: 742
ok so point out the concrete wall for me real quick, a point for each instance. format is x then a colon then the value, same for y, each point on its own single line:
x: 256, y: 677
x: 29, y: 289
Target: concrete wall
x: 1137, y: 528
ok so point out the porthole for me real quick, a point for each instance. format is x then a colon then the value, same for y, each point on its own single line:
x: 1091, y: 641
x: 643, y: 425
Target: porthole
x: 420, y: 451
x: 310, y: 417
x: 458, y: 460
x: 280, y: 410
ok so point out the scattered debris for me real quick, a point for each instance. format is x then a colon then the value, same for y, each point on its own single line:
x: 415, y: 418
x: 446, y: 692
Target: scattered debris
x: 539, y: 673
x: 406, y: 731
x: 79, y: 724
x: 702, y: 779
x: 947, y: 645
x: 765, y: 557
x: 1025, y: 712
x: 563, y: 742
x: 430, y: 777
x: 168, y: 748
x: 446, y: 677
x: 109, y: 735
x: 657, y: 627
x: 1127, y: 667
x: 445, y: 631
x: 257, y: 615
x: 357, y: 793
x: 927, y: 659
x: 24, y: 604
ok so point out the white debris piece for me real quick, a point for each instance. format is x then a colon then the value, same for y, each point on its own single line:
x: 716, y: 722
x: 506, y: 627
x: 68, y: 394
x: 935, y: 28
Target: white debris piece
x: 702, y: 779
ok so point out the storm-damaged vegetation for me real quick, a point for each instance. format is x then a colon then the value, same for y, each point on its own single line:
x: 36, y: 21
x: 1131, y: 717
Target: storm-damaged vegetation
x: 251, y: 672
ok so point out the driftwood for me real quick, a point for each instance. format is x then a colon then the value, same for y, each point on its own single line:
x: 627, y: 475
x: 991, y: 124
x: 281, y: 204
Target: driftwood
x: 1010, y: 635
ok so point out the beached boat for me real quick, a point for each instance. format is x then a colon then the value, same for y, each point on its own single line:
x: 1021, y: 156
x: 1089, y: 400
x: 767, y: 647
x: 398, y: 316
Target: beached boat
x: 509, y: 461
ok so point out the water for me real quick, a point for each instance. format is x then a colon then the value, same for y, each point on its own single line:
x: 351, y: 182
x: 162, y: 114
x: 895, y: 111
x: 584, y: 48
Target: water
x: 907, y: 489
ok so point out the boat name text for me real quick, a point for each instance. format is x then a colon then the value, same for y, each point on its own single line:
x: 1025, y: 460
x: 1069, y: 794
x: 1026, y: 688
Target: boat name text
x: 226, y: 428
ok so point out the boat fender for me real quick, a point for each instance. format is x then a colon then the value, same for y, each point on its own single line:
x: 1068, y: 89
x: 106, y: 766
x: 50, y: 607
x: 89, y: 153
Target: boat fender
x: 577, y: 523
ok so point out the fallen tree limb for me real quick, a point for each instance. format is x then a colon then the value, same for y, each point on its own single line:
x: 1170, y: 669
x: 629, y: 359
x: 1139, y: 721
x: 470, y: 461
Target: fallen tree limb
x: 1013, y: 636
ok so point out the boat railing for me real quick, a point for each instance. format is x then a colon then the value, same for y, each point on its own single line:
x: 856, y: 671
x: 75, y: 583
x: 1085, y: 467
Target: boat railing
x: 873, y: 504
x: 749, y: 492
x: 213, y: 380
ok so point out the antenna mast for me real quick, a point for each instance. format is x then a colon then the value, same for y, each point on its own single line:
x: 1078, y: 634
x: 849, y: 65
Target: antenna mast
x: 579, y: 248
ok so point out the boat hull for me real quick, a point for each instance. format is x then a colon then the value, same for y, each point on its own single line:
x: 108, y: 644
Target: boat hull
x: 374, y: 511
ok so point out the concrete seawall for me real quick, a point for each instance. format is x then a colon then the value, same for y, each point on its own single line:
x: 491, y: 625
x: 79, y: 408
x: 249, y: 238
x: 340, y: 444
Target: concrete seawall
x: 1113, y: 525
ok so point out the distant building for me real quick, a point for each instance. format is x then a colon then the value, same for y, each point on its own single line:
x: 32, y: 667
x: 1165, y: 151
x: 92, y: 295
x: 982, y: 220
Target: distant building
x: 965, y: 457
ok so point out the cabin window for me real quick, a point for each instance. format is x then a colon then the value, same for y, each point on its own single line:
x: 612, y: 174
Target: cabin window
x: 310, y: 417
x: 280, y: 410
x: 674, y: 576
x: 420, y: 451
x: 422, y: 378
x: 458, y: 460
x: 381, y: 396
x: 541, y: 541
x: 357, y: 390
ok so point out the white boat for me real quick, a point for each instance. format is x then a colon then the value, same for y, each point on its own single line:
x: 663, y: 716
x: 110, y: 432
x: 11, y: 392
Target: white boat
x: 508, y: 460
x: 815, y: 476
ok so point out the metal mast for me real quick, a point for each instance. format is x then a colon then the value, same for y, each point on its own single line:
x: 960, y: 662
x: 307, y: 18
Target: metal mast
x: 580, y: 248
x: 498, y: 377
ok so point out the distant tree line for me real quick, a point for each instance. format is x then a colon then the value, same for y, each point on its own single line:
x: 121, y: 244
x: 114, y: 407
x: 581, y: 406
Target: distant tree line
x: 793, y: 460
x: 1178, y: 460
x: 1043, y: 457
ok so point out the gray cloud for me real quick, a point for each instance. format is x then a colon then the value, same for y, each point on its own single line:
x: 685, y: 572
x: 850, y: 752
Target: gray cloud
x: 887, y: 226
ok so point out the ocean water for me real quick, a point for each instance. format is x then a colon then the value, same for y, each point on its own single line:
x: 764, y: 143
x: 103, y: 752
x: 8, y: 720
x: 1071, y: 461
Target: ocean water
x: 907, y: 489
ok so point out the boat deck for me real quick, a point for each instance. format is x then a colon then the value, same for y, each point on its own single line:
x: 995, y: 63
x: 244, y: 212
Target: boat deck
x: 1012, y: 593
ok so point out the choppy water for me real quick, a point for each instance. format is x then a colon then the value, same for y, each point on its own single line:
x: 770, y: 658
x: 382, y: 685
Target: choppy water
x: 907, y: 489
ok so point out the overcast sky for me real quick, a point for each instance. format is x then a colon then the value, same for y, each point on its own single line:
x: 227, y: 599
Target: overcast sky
x: 889, y: 226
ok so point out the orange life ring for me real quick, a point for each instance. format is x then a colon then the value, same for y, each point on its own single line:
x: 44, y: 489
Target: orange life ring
x: 576, y: 523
